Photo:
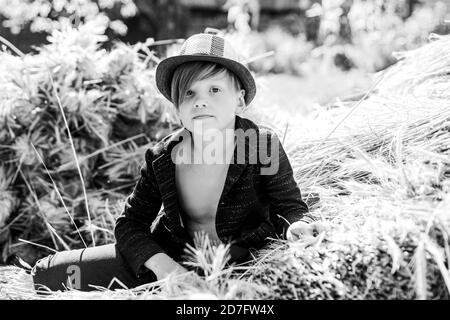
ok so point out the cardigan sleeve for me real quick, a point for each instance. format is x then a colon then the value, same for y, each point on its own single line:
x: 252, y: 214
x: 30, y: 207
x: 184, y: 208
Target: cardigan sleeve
x: 132, y: 229
x: 280, y: 188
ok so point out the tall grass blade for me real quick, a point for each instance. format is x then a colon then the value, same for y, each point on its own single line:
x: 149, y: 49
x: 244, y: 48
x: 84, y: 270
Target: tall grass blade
x: 59, y: 195
x: 76, y: 159
x: 421, y: 271
x: 439, y: 258
x: 47, y: 224
x: 394, y: 251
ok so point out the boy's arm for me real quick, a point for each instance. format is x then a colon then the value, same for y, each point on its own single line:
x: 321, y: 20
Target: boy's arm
x: 281, y: 189
x: 132, y: 229
x: 161, y: 265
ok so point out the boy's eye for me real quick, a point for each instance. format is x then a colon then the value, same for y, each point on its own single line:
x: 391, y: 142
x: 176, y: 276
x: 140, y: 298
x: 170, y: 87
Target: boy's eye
x: 189, y: 93
x: 215, y: 89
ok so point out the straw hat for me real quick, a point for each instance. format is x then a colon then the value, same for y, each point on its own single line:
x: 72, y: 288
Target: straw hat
x: 207, y: 46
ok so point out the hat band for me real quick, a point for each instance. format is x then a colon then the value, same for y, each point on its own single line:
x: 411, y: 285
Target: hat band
x: 217, y: 46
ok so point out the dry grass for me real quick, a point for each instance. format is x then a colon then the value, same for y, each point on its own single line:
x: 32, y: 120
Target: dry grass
x: 383, y: 180
x: 74, y: 122
x: 380, y: 166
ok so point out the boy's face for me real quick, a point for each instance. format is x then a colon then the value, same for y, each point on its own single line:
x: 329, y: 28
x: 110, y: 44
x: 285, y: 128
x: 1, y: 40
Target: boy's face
x: 212, y: 101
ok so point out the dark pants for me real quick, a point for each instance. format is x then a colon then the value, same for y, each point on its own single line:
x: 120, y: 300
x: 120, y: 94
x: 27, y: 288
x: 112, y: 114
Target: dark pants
x: 83, y: 268
x: 98, y: 266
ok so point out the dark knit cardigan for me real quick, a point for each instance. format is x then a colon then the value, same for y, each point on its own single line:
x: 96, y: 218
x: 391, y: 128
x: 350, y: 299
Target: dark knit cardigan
x: 252, y: 208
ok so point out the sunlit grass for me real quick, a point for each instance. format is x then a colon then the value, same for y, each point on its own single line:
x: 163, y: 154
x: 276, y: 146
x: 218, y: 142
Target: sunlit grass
x: 380, y: 167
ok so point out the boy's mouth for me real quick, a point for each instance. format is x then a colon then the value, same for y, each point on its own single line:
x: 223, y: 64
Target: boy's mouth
x: 204, y: 116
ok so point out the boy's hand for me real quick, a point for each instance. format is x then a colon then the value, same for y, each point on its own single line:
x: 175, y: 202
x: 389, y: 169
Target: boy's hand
x: 305, y: 231
x: 163, y: 265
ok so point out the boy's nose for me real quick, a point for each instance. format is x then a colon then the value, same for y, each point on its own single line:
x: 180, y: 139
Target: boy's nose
x: 200, y: 104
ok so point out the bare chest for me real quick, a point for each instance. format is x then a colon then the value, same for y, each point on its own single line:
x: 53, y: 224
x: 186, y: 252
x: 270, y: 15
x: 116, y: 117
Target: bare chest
x: 199, y: 189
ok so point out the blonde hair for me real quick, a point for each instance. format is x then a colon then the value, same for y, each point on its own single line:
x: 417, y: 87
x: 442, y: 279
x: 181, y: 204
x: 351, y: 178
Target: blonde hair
x: 188, y: 72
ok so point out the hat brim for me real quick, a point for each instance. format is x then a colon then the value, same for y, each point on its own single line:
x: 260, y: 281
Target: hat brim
x: 166, y: 68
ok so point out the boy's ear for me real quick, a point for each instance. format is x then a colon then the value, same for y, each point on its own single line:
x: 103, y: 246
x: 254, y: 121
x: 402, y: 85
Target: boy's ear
x: 241, y: 98
x: 241, y: 102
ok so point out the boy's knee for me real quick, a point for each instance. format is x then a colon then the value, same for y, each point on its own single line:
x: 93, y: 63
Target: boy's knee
x: 53, y: 274
x: 40, y: 273
x: 58, y: 266
x: 41, y: 265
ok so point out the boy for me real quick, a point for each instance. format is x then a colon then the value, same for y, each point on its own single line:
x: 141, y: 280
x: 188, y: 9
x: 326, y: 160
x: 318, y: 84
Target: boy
x: 226, y: 188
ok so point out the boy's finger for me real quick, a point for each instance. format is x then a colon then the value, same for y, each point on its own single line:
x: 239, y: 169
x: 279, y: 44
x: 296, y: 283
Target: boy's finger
x: 292, y: 236
x: 309, y: 240
x: 317, y: 229
x: 320, y: 227
x: 303, y: 230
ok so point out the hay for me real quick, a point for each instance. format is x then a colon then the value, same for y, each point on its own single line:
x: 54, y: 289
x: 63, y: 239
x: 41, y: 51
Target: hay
x: 15, y: 283
x: 383, y: 180
x: 217, y: 281
x: 381, y: 168
x: 73, y: 97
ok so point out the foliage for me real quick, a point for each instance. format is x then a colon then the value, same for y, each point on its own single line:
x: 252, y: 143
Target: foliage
x: 380, y: 165
x: 381, y: 168
x: 73, y: 97
x: 44, y: 15
x: 372, y: 32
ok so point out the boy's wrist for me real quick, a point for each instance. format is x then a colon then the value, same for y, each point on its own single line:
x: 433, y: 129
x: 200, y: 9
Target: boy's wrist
x: 161, y: 264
